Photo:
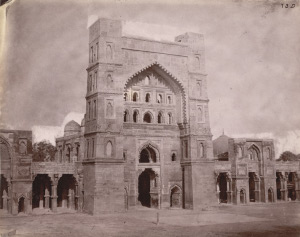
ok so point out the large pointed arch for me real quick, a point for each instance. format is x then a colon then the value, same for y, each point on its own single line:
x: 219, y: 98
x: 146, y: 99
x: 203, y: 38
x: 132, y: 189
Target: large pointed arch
x: 171, y: 80
x: 6, y: 143
x: 152, y: 146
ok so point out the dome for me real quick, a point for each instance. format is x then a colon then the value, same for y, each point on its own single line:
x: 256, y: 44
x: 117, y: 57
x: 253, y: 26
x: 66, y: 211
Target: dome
x: 71, y: 128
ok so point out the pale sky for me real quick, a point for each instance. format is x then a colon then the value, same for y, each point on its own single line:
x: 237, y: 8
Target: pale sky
x: 252, y: 60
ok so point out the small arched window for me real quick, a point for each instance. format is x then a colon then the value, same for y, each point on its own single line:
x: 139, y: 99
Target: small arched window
x: 169, y: 99
x: 159, y: 118
x: 135, y: 96
x: 159, y: 98
x: 200, y: 114
x: 147, y: 80
x: 135, y: 116
x: 109, y: 52
x: 197, y: 61
x: 125, y: 96
x: 169, y: 118
x: 173, y: 157
x: 126, y: 116
x: 110, y: 81
x: 269, y: 154
x: 109, y: 149
x: 147, y: 118
x: 147, y: 99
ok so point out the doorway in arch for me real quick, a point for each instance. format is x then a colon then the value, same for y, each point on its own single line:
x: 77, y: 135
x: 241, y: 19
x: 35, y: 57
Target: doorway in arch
x: 21, y: 205
x: 148, y: 188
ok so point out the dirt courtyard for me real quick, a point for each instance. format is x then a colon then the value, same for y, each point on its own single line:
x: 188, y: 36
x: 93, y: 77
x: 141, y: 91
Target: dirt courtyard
x: 281, y: 219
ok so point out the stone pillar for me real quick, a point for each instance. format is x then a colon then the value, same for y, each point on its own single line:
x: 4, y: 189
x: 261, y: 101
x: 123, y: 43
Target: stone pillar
x: 64, y: 197
x: 41, y: 203
x: 285, y: 189
x: 257, y: 188
x: 238, y: 197
x: 71, y: 199
x: 54, y: 196
x: 47, y: 198
x: 229, y: 192
x: 76, y: 197
x: 9, y: 199
x: 5, y: 199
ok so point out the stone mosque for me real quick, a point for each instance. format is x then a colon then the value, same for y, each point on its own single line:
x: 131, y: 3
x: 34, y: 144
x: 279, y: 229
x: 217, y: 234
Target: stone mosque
x: 145, y: 140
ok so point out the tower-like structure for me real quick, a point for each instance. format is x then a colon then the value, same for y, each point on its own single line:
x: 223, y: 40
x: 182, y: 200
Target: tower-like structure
x: 103, y: 166
x: 147, y: 132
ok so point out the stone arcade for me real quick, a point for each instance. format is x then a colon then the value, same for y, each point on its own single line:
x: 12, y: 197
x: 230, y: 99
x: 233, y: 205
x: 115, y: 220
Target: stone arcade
x: 145, y: 139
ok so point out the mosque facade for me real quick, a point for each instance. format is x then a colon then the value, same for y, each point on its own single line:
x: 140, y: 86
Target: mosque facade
x: 145, y: 139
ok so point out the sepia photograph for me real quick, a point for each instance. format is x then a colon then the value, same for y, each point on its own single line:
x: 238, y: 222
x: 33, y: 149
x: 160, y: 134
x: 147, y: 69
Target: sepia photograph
x: 149, y: 118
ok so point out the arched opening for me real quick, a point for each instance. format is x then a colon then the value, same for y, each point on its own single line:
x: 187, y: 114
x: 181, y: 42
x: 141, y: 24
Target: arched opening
x: 109, y: 149
x: 270, y: 195
x: 200, y: 114
x: 109, y: 81
x: 165, y: 88
x: 68, y: 154
x: 135, y: 97
x: 251, y: 187
x: 159, y: 99
x: 222, y: 182
x: 21, y: 205
x: 175, y: 197
x: 148, y: 155
x: 242, y: 196
x: 4, y: 193
x: 135, y: 116
x: 125, y: 97
x: 291, y: 184
x: 169, y: 99
x: 254, y: 153
x: 173, y: 157
x: 41, y: 191
x: 169, y: 118
x: 147, y: 98
x: 147, y: 118
x: 160, y: 118
x: 67, y: 192
x: 109, y: 110
x: 147, y: 80
x: 109, y: 54
x: 278, y: 186
x: 268, y: 153
x: 126, y: 116
x: 147, y: 189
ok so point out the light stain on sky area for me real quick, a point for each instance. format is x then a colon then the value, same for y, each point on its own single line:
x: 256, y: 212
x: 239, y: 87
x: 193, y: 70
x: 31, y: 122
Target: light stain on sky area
x: 252, y: 61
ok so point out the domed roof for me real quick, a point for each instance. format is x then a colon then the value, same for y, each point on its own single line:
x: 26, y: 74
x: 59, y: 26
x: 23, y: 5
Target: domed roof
x: 71, y: 128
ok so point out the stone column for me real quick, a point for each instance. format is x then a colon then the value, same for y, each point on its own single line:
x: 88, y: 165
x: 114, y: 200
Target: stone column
x: 54, y: 196
x: 9, y: 199
x: 5, y: 199
x: 64, y: 197
x: 229, y: 192
x: 41, y: 203
x: 71, y: 199
x: 257, y: 188
x: 76, y: 197
x: 285, y: 189
x: 47, y: 198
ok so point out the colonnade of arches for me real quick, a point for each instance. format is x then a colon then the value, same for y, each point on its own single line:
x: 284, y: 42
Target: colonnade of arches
x: 50, y: 195
x: 241, y: 195
x: 161, y: 118
x: 287, y: 185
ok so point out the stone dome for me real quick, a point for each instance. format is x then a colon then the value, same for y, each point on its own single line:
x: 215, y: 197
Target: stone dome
x: 72, y: 128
